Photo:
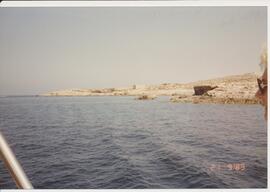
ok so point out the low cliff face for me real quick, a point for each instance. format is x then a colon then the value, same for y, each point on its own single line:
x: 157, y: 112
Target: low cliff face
x: 203, y: 89
x: 215, y: 100
x: 230, y: 89
x: 238, y: 89
x: 238, y: 86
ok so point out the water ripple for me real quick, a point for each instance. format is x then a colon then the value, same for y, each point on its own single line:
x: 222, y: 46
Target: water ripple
x: 117, y: 142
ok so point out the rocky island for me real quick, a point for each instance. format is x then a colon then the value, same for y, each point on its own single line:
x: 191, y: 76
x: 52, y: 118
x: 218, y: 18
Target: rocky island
x: 236, y: 89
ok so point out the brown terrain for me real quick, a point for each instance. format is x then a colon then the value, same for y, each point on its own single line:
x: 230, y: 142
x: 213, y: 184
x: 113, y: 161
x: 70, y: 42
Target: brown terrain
x: 237, y: 89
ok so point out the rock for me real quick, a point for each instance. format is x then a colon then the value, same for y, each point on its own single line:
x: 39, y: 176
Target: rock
x: 108, y: 90
x: 181, y: 99
x: 201, y: 90
x: 213, y: 100
x: 96, y: 91
x: 146, y: 97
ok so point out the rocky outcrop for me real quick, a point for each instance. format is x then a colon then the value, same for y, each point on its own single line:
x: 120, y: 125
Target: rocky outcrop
x: 203, y: 89
x: 238, y: 89
x: 214, y: 100
x: 146, y: 97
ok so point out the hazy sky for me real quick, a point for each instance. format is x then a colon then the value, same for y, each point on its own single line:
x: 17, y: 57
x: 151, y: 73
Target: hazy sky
x: 47, y: 49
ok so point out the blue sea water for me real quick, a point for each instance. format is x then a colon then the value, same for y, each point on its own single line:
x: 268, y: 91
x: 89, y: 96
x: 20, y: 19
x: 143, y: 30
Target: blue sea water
x: 119, y: 142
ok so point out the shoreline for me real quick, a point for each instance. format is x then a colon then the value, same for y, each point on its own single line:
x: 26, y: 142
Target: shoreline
x: 236, y: 89
x: 174, y: 99
x: 191, y: 100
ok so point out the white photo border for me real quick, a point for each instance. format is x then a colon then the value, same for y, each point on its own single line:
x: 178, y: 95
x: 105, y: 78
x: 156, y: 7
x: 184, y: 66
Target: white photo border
x: 179, y: 3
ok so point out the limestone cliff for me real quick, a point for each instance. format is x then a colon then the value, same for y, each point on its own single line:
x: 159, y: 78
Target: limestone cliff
x: 230, y: 89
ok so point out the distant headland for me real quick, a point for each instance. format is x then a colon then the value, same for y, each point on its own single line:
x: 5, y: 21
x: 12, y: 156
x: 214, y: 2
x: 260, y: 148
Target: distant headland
x: 236, y: 89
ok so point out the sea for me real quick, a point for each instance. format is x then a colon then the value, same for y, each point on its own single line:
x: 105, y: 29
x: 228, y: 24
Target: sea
x: 109, y: 142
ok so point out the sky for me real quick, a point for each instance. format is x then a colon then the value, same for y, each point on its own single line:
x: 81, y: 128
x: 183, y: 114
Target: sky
x: 48, y: 49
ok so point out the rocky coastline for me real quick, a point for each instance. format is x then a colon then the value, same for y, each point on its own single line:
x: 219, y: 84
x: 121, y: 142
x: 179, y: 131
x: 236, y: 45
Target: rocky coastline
x: 236, y: 89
